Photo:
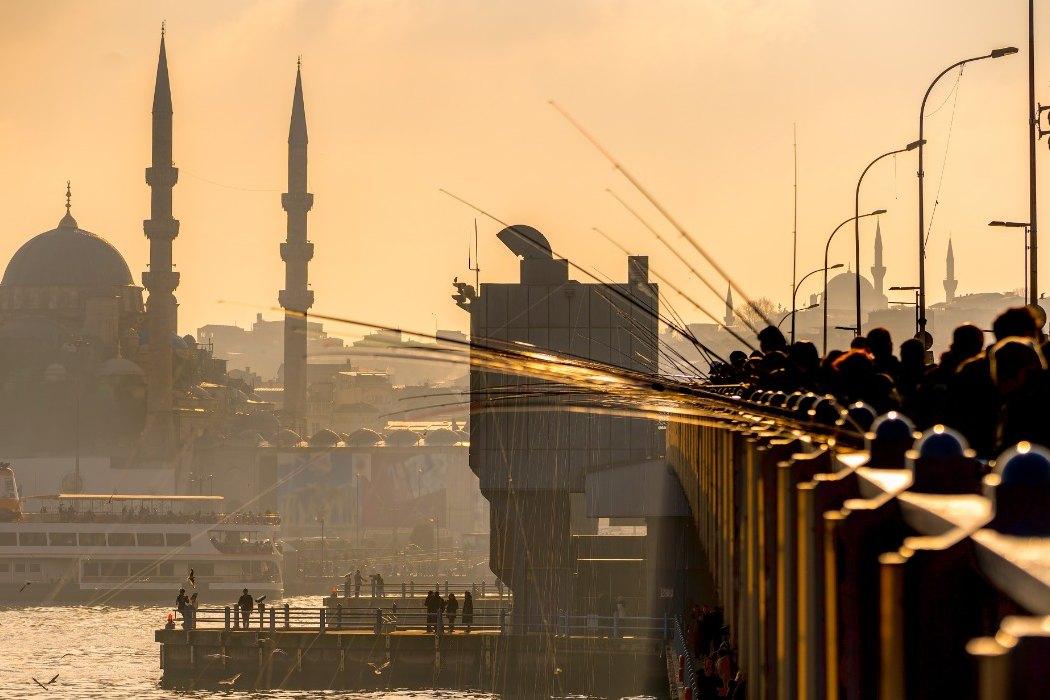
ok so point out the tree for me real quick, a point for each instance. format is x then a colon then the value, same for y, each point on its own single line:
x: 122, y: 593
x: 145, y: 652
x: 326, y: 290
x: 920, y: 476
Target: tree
x: 766, y: 306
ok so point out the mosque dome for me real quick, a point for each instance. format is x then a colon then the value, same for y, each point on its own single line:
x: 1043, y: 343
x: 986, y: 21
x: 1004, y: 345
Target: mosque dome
x: 67, y: 256
x: 842, y: 293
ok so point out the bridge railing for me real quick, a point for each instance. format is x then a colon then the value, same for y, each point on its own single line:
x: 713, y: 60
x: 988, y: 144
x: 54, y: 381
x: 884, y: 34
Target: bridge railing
x: 845, y: 580
x: 380, y: 621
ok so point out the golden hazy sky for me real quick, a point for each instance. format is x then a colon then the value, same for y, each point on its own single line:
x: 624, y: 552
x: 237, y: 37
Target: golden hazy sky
x: 696, y: 97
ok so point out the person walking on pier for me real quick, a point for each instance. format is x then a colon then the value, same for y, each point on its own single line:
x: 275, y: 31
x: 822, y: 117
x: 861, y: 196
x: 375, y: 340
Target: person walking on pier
x: 358, y: 580
x: 451, y: 608
x: 246, y: 603
x: 380, y: 585
x: 468, y: 610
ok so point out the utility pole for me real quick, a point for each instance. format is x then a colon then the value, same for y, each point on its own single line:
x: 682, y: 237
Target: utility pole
x: 1035, y: 132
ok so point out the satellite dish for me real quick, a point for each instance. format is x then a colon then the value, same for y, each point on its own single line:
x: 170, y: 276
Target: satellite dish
x: 526, y: 242
x: 926, y: 338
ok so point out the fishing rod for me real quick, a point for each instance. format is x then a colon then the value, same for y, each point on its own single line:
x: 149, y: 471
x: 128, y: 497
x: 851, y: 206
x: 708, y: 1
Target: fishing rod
x: 663, y: 211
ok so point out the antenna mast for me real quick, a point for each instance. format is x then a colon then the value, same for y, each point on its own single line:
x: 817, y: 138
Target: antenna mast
x: 794, y: 228
x: 475, y: 267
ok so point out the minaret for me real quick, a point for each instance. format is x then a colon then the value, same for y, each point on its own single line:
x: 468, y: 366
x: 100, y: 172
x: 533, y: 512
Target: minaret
x: 296, y: 252
x: 878, y: 270
x: 728, y: 320
x: 950, y: 283
x: 160, y: 280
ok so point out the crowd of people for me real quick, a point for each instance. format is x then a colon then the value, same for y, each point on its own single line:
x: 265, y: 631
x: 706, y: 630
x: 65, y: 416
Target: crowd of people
x: 994, y: 395
x: 448, y: 608
x: 707, y: 635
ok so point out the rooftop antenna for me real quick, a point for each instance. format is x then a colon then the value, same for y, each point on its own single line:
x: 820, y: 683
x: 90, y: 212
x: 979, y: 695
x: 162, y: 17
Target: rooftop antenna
x: 475, y: 265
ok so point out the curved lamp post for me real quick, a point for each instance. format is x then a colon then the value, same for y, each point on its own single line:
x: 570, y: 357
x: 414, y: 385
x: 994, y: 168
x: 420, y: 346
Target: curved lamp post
x: 997, y: 53
x: 794, y: 295
x: 856, y: 220
x: 827, y: 247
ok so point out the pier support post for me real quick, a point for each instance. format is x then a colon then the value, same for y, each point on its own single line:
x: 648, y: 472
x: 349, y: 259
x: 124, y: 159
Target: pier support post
x: 273, y: 618
x: 286, y: 615
x: 379, y: 620
x: 236, y: 617
x: 321, y: 620
x: 226, y: 619
x: 262, y: 615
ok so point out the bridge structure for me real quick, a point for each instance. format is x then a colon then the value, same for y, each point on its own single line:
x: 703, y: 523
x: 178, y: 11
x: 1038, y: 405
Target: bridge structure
x: 853, y: 568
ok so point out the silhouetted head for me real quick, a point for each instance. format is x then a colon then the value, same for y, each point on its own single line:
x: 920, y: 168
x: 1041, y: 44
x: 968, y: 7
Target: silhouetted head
x: 967, y: 341
x: 1013, y: 362
x: 770, y: 338
x: 804, y: 356
x: 913, y: 354
x: 737, y: 359
x: 880, y: 342
x: 859, y: 343
x: 1016, y: 321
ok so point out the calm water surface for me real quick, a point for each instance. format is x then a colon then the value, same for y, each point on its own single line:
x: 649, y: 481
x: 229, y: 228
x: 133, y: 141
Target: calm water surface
x: 109, y: 652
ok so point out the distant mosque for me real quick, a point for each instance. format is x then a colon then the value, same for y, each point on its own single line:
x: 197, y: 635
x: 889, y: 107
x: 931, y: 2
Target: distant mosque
x: 80, y: 360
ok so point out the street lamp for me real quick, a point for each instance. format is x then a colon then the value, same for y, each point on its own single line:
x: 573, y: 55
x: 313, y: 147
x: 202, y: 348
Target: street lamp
x: 856, y: 212
x: 910, y: 288
x: 827, y: 247
x: 794, y: 296
x: 793, y: 311
x: 997, y: 53
x: 1027, y: 232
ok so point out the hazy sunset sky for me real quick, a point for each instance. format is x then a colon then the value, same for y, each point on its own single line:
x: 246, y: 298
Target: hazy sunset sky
x: 696, y: 97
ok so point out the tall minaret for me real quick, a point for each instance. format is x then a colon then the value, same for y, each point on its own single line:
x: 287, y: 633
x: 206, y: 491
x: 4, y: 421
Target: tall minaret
x: 296, y: 252
x: 950, y: 283
x: 878, y: 270
x: 728, y: 320
x: 160, y: 280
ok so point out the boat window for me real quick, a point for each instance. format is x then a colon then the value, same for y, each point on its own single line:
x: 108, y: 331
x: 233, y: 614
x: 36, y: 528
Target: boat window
x: 8, y: 539
x: 122, y: 539
x: 166, y: 569
x: 114, y: 568
x: 20, y: 567
x: 34, y: 568
x: 91, y: 568
x: 4, y: 567
x: 178, y: 539
x: 92, y: 539
x: 151, y: 539
x: 63, y: 539
x: 32, y: 539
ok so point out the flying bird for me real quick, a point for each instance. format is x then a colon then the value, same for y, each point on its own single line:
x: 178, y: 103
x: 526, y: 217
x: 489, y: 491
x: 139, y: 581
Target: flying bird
x: 26, y: 585
x: 378, y: 670
x: 192, y: 579
x: 45, y: 685
x: 230, y: 681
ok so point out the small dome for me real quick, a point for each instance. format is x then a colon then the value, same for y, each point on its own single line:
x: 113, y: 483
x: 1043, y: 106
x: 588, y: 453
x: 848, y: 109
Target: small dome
x: 402, y: 438
x: 441, y: 437
x: 287, y: 438
x: 324, y: 438
x: 67, y: 256
x: 362, y: 437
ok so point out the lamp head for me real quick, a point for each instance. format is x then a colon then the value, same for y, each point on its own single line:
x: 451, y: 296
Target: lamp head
x: 915, y: 144
x: 1005, y: 51
x: 877, y: 212
x: 835, y: 266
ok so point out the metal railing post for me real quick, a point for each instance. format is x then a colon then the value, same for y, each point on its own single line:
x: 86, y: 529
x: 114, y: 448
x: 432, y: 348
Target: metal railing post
x: 262, y: 614
x: 338, y: 616
x: 273, y: 618
x: 237, y: 617
x: 379, y: 620
x: 321, y: 619
x: 286, y: 616
x: 226, y: 611
x: 402, y: 590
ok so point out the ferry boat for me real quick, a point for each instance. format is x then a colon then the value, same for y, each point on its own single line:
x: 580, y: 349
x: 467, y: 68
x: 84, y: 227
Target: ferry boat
x: 112, y: 548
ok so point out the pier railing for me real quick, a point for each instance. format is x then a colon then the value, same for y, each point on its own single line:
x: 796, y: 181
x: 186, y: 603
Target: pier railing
x: 384, y: 621
x: 845, y: 576
x: 416, y: 588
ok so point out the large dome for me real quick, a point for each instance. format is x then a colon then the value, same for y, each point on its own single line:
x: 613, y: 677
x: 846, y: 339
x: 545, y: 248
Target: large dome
x: 842, y: 293
x: 69, y: 257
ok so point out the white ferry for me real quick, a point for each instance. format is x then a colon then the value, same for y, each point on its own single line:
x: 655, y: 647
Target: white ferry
x: 111, y: 548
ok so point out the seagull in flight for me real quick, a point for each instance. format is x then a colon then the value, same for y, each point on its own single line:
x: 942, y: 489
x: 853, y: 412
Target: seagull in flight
x: 45, y: 685
x: 192, y: 579
x: 26, y: 585
x: 378, y: 670
x: 230, y: 681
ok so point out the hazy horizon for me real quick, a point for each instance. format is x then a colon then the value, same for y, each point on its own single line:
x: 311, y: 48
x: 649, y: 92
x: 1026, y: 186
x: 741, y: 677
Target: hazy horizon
x: 697, y: 98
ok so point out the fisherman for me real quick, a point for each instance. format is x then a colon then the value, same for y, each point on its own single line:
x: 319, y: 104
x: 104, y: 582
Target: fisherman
x: 380, y: 585
x: 468, y: 610
x: 182, y: 603
x: 451, y: 608
x: 246, y: 603
x: 358, y: 580
x: 428, y: 605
